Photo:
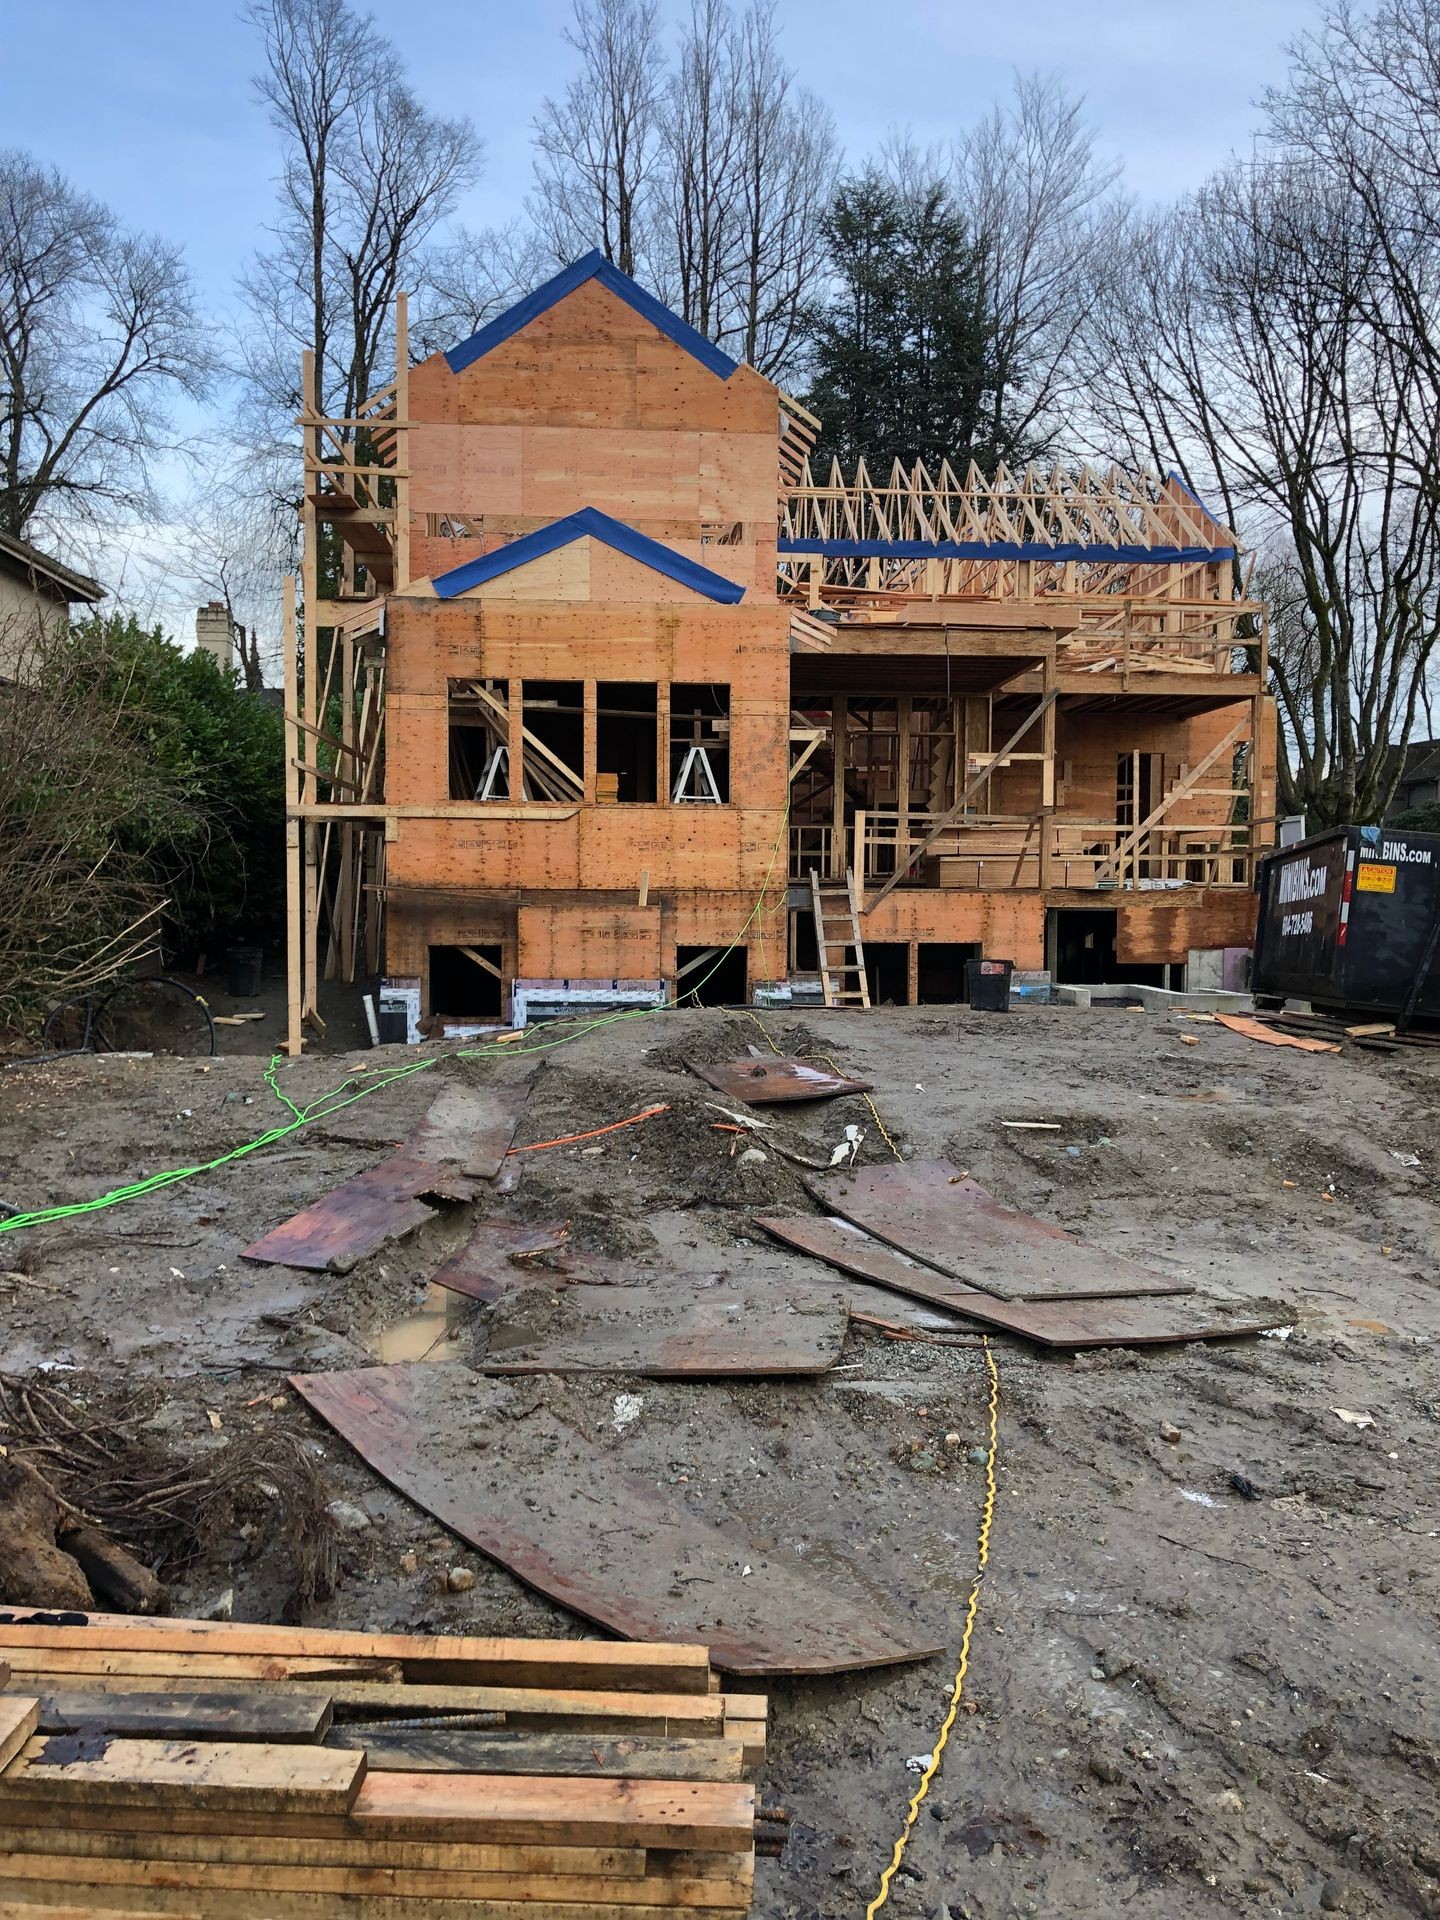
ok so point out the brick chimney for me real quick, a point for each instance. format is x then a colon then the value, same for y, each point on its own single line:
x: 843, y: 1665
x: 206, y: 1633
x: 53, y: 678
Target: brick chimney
x: 212, y: 633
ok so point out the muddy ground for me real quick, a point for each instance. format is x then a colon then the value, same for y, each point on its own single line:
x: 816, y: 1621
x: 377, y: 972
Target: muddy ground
x: 1183, y: 1698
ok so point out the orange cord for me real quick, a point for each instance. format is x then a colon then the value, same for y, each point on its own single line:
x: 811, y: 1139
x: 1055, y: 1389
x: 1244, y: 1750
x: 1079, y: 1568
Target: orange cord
x: 569, y: 1139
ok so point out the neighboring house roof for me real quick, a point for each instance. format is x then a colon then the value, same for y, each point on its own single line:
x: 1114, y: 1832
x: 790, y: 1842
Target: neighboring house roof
x: 589, y: 521
x: 592, y: 266
x: 19, y: 558
x: 1419, y: 761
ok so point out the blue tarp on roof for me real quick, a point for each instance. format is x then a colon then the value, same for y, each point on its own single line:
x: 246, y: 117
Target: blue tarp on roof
x: 601, y: 526
x: 592, y: 266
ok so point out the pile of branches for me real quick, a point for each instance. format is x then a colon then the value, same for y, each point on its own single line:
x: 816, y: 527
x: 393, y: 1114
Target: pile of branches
x: 114, y: 1474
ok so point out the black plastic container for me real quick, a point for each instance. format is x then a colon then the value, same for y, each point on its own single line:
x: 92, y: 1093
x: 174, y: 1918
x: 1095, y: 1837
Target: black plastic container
x: 242, y: 971
x: 1347, y: 919
x: 988, y: 982
x: 394, y: 1025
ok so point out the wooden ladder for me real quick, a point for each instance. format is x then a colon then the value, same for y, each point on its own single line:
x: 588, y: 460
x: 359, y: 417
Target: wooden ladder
x: 843, y: 970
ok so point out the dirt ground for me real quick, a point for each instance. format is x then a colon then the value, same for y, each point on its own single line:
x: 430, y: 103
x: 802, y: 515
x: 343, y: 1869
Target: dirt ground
x: 1184, y: 1696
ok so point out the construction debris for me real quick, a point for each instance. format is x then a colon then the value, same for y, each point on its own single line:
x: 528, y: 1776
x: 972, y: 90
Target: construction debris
x: 770, y: 1082
x: 672, y: 1328
x: 285, y: 1767
x: 1070, y: 1323
x: 932, y: 1211
x: 461, y: 1142
x: 566, y: 1520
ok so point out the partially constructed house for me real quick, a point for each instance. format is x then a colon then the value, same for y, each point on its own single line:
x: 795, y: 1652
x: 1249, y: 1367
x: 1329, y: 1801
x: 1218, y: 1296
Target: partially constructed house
x: 616, y: 700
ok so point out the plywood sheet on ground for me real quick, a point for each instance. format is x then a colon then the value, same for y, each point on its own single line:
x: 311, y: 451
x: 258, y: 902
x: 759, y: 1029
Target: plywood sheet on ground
x: 761, y: 1083
x: 1257, y: 1030
x: 671, y: 1328
x: 930, y: 1210
x: 461, y: 1141
x: 569, y: 1522
x: 493, y: 1259
x: 1066, y: 1324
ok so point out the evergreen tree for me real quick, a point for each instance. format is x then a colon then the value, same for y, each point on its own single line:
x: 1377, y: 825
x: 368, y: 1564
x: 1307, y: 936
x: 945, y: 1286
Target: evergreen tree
x: 903, y: 354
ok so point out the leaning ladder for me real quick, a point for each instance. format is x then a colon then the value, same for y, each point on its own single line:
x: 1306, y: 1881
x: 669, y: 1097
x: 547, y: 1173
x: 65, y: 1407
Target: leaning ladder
x: 843, y: 970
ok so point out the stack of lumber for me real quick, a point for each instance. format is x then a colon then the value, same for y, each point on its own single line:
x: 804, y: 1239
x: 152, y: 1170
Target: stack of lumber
x: 185, y: 1768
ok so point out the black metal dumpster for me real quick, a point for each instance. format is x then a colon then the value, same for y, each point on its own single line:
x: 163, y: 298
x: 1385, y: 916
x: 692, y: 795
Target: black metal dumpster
x: 1347, y: 918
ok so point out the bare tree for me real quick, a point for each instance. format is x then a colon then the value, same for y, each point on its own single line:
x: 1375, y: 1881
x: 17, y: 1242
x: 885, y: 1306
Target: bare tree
x: 789, y: 158
x: 1238, y: 339
x: 99, y: 336
x: 596, y: 145
x: 473, y: 278
x: 1042, y: 202
x: 700, y: 137
x: 368, y: 176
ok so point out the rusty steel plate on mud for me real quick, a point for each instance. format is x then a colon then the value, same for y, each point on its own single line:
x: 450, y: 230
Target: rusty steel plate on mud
x: 537, y: 1496
x: 675, y: 1327
x: 466, y: 1132
x: 1063, y: 1324
x: 764, y: 1083
x: 936, y: 1214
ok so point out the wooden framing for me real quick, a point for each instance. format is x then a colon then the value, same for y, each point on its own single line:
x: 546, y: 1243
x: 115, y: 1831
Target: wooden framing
x: 930, y: 680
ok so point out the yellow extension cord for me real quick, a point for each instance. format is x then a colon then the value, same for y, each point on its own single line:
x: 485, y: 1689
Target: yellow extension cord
x: 982, y: 1556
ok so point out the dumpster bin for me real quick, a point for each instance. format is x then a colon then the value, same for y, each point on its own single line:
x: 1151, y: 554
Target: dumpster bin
x: 989, y: 984
x: 1346, y: 919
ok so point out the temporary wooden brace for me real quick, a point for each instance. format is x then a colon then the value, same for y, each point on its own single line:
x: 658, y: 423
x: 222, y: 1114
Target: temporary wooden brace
x: 972, y: 787
x: 839, y: 996
x: 1178, y: 792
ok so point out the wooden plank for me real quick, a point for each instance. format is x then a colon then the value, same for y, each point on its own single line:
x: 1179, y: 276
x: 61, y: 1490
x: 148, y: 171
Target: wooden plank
x: 1066, y: 1324
x: 43, y: 1910
x: 567, y: 1521
x: 937, y: 1215
x: 121, y: 1840
x: 517, y: 1890
x: 181, y: 1664
x: 1257, y: 1030
x: 54, y: 1898
x: 211, y: 1777
x: 556, y: 1708
x: 670, y: 1329
x: 464, y: 1660
x: 19, y: 1717
x: 578, y: 1755
x: 255, y: 1715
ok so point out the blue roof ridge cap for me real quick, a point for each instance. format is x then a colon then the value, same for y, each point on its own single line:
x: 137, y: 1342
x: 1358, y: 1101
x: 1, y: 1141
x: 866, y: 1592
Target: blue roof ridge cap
x: 591, y: 522
x: 590, y: 266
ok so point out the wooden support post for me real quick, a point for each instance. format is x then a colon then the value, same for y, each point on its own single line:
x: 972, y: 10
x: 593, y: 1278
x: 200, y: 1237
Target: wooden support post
x: 1046, y: 822
x: 347, y: 889
x: 310, y: 593
x: 841, y: 731
x: 516, y: 739
x: 402, y: 440
x: 589, y: 726
x: 294, y: 894
x: 903, y: 712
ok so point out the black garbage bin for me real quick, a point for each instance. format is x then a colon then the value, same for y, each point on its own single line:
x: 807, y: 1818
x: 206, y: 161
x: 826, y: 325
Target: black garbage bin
x: 242, y: 971
x: 989, y: 984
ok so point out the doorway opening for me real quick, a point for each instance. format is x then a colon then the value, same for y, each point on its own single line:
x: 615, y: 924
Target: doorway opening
x: 887, y: 969
x: 710, y: 977
x: 941, y: 979
x: 465, y: 983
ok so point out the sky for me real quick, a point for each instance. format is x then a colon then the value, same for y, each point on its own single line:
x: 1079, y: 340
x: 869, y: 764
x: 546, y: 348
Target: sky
x: 149, y: 105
